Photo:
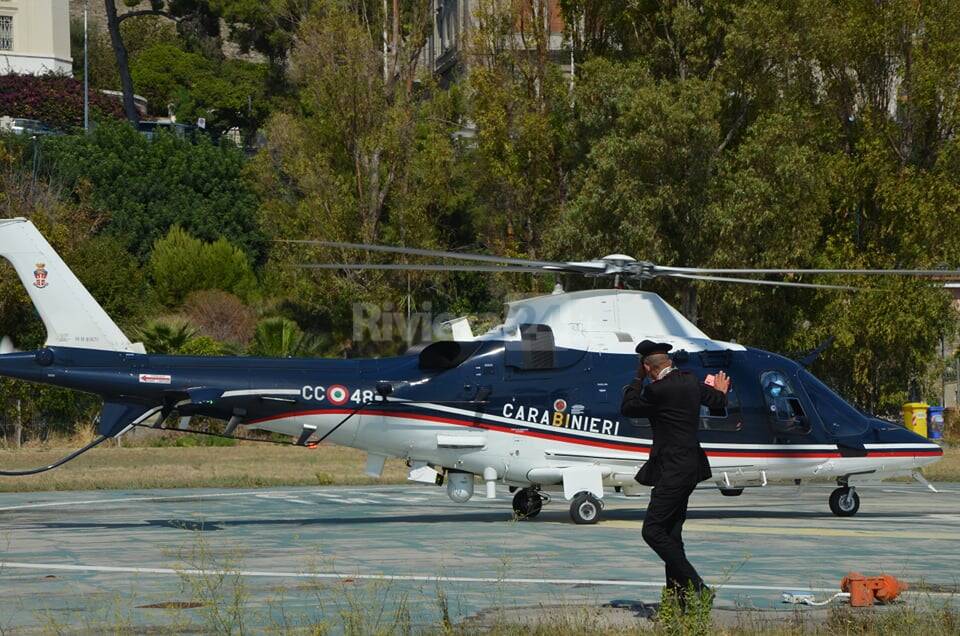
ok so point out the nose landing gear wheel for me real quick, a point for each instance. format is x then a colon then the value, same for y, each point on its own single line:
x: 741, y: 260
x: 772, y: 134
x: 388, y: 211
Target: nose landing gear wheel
x: 527, y: 503
x: 585, y: 508
x: 844, y: 502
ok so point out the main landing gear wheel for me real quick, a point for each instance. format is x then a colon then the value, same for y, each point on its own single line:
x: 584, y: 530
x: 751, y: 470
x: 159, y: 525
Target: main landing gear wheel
x: 731, y: 492
x: 527, y: 503
x: 844, y: 502
x: 585, y: 508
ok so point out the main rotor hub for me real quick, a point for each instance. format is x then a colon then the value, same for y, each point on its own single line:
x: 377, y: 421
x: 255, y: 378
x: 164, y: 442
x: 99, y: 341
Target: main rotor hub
x: 629, y: 266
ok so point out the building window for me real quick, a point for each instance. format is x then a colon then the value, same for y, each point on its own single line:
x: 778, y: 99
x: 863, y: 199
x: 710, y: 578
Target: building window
x: 6, y: 32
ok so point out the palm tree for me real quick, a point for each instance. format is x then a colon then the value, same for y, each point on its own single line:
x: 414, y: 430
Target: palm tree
x: 164, y: 336
x: 280, y: 337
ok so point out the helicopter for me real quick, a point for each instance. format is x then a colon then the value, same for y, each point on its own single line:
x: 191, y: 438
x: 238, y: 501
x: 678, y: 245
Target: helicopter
x: 533, y: 403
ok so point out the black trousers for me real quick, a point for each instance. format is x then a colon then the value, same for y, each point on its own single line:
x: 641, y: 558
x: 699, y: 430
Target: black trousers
x: 662, y: 530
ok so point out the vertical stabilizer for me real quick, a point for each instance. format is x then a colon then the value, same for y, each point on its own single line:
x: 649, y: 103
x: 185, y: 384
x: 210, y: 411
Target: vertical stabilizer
x: 71, y: 315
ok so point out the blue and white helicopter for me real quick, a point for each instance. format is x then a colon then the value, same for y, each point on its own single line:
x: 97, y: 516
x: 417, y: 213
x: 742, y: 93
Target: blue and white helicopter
x: 533, y: 403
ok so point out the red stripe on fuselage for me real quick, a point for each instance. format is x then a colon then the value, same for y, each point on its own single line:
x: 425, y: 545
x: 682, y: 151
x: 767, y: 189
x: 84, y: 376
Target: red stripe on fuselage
x: 633, y: 447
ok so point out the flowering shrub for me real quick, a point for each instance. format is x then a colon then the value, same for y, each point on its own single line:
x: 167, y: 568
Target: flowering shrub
x: 55, y: 100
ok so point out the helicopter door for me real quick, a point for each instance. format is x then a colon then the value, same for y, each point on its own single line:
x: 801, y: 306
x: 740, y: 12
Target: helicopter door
x: 786, y: 414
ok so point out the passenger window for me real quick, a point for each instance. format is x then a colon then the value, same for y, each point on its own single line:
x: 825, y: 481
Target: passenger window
x: 786, y: 411
x: 725, y: 419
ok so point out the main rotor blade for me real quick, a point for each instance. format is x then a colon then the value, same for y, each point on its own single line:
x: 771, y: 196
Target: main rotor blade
x: 853, y: 272
x: 483, y: 258
x: 415, y: 267
x: 771, y: 283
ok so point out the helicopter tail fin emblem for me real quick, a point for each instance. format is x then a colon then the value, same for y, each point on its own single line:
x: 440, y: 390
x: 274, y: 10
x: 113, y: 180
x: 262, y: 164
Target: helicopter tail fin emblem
x: 70, y: 314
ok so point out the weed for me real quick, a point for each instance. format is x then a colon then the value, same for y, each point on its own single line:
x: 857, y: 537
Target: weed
x: 217, y: 585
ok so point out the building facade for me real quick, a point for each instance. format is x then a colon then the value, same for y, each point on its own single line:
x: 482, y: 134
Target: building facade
x: 35, y: 37
x: 452, y: 22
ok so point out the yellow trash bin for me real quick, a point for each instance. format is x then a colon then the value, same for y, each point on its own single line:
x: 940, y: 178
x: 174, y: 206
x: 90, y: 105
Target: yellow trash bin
x: 915, y: 417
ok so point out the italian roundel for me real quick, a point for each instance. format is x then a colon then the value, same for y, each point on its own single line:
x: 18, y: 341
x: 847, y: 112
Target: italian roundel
x: 338, y: 394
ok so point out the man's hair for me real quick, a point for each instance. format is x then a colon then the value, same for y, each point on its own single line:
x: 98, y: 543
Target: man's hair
x: 657, y: 360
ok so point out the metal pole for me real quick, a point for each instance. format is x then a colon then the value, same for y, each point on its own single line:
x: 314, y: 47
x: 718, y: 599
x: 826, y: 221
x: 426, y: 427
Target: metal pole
x: 943, y: 374
x: 86, y: 72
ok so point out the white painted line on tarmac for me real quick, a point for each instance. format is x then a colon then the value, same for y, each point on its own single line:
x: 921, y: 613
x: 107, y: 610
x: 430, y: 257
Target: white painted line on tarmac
x: 288, y: 499
x: 916, y: 491
x: 62, y: 567
x: 88, y: 502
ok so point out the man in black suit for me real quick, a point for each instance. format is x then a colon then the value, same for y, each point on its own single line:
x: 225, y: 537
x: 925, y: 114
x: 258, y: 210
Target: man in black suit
x: 677, y: 463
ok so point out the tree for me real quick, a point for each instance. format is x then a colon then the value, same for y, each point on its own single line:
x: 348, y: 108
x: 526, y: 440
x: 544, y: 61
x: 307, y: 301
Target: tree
x: 144, y: 187
x: 165, y: 336
x: 282, y: 338
x: 138, y: 35
x: 196, y: 15
x: 364, y: 157
x: 644, y: 188
x: 520, y: 105
x: 123, y: 62
x: 266, y: 26
x: 771, y: 135
x: 226, y: 93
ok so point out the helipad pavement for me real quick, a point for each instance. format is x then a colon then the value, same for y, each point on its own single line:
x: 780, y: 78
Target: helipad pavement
x: 295, y: 556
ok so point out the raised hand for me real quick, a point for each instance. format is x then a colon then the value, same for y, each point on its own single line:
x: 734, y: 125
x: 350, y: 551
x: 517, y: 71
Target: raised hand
x: 722, y: 382
x: 641, y: 370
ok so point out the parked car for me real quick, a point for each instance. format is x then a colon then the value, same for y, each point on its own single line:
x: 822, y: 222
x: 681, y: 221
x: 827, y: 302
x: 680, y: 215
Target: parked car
x: 20, y: 126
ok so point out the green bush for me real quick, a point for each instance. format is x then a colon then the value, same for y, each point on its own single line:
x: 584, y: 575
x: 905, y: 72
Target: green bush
x: 144, y: 187
x: 201, y: 346
x: 180, y: 264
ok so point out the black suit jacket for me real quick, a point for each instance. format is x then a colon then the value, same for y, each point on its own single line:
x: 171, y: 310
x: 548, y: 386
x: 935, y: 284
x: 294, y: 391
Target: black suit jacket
x: 673, y: 407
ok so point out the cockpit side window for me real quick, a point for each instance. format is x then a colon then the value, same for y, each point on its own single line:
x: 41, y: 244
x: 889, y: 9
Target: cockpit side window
x: 787, y: 416
x: 839, y: 418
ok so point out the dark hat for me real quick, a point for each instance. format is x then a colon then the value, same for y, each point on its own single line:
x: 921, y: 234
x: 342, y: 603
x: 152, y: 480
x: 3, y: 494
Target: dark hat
x: 649, y: 347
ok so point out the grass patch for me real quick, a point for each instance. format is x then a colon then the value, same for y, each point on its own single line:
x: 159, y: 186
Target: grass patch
x: 245, y: 465
x: 191, y: 441
x: 947, y: 469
